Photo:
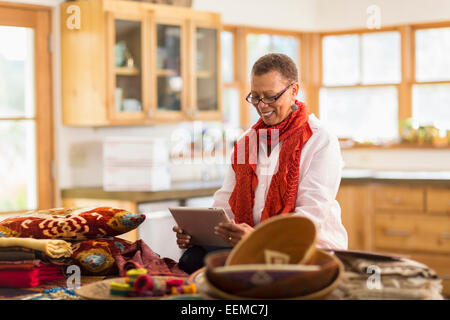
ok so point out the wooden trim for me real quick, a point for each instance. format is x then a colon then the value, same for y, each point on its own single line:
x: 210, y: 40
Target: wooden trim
x: 260, y: 30
x: 431, y: 82
x: 408, y: 70
x: 39, y: 19
x: 44, y: 110
x: 358, y: 31
x: 241, y: 75
x: 17, y: 17
x: 23, y: 6
x: 17, y: 119
x: 359, y: 85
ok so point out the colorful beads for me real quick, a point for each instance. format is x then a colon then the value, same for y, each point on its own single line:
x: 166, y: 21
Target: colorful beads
x: 138, y: 283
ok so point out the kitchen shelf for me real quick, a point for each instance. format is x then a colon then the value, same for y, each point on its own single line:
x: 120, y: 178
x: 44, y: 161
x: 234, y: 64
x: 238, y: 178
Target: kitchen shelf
x: 125, y: 71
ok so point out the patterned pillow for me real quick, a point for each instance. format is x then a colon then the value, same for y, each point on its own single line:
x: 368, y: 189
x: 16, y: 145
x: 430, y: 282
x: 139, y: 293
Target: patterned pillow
x: 96, y: 256
x: 71, y: 223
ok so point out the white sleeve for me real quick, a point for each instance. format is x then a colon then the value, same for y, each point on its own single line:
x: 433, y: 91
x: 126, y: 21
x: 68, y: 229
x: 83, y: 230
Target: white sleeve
x: 222, y: 195
x: 320, y: 177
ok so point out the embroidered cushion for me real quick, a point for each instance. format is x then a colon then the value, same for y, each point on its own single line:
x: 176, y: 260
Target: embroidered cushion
x: 96, y: 256
x: 71, y: 223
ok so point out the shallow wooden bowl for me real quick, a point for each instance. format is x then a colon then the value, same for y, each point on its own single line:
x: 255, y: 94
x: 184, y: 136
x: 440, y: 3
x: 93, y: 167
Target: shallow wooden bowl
x: 261, y: 281
x: 290, y: 235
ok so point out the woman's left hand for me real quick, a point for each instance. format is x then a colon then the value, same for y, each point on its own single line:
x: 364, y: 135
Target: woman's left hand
x: 233, y: 232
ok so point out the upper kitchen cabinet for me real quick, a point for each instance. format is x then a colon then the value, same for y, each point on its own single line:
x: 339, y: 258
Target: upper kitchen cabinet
x: 137, y: 63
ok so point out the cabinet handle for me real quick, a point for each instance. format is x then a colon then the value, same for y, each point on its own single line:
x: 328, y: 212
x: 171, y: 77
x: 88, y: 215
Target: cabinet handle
x: 444, y: 276
x: 150, y: 112
x: 401, y: 233
x: 195, y: 112
x: 445, y: 235
x: 397, y: 200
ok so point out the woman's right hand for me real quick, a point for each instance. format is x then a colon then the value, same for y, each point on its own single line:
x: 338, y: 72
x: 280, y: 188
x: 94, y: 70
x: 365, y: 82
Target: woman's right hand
x: 183, y: 239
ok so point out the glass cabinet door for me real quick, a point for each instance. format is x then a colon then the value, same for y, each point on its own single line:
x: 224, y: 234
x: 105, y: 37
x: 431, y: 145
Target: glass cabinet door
x: 206, y: 76
x: 168, y: 68
x: 127, y: 67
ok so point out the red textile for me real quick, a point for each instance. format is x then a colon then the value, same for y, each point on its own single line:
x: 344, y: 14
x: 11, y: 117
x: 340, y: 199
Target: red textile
x: 30, y: 278
x: 71, y: 223
x: 20, y: 264
x: 294, y: 131
x: 139, y: 255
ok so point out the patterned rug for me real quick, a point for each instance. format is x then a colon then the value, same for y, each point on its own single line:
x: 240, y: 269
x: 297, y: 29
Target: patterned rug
x: 35, y: 292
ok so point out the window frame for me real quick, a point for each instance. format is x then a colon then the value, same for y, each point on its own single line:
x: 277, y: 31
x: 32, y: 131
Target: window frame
x: 240, y: 64
x: 408, y: 67
x: 38, y: 18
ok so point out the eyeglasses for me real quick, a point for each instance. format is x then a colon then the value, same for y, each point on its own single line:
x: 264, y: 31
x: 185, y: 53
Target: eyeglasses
x: 266, y: 100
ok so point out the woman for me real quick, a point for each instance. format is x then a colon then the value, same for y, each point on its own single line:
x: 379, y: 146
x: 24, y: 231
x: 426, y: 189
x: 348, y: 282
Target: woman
x: 293, y: 166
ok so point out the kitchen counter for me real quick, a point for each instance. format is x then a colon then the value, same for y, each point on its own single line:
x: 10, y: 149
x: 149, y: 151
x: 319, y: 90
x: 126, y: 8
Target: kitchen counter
x: 193, y: 189
x: 178, y: 191
x: 396, y: 177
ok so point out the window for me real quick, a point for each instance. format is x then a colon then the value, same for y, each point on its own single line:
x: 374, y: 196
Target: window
x: 360, y: 75
x: 431, y: 91
x: 259, y: 44
x: 231, y: 93
x: 25, y: 111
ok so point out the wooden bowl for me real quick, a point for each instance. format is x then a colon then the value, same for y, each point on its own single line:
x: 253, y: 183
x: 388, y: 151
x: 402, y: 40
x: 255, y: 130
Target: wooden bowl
x: 292, y: 237
x: 262, y: 281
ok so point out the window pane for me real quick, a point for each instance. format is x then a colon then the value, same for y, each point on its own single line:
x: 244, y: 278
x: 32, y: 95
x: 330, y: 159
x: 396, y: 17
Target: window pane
x: 227, y: 57
x: 169, y: 81
x: 231, y: 107
x: 431, y: 105
x: 433, y: 54
x: 17, y: 166
x: 207, y: 66
x: 128, y: 65
x: 16, y: 72
x: 360, y: 113
x: 341, y: 60
x: 261, y: 44
x: 381, y: 57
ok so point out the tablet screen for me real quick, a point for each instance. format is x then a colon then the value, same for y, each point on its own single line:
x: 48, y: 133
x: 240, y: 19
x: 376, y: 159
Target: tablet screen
x: 199, y: 223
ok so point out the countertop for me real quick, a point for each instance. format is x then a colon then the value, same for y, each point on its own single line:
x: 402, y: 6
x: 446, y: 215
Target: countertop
x: 192, y: 189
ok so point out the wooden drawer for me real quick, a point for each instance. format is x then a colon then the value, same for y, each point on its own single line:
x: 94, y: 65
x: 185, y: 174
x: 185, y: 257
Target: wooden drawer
x: 440, y: 264
x: 438, y: 200
x: 399, y: 198
x: 414, y: 232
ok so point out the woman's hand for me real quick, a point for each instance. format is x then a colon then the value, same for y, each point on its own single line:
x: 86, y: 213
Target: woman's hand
x: 183, y: 239
x: 233, y: 232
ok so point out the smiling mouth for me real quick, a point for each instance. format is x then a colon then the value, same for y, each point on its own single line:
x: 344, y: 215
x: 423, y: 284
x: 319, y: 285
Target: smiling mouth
x: 266, y: 114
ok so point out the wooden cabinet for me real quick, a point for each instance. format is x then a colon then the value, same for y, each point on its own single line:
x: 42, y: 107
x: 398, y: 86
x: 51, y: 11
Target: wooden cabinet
x: 414, y: 221
x: 137, y: 63
x: 410, y: 219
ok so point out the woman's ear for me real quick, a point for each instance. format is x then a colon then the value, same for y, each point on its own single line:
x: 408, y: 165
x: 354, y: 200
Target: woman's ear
x: 295, y: 90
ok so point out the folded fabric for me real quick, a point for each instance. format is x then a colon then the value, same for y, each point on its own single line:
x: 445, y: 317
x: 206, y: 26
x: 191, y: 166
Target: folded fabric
x: 16, y: 255
x: 386, y: 279
x: 139, y: 255
x: 20, y: 265
x: 30, y: 278
x: 52, y: 248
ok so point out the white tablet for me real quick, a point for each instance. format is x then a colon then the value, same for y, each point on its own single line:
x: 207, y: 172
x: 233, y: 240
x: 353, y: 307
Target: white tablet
x: 199, y: 223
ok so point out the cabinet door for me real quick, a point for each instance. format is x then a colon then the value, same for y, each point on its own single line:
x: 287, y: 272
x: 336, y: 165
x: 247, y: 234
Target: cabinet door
x: 206, y: 100
x: 169, y: 79
x: 126, y: 100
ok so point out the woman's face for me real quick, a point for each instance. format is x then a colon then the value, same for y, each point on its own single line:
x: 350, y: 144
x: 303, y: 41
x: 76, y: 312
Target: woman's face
x: 269, y: 85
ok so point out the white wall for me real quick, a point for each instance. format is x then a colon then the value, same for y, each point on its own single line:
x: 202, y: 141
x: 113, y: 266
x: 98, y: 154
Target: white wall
x: 279, y: 14
x: 347, y: 14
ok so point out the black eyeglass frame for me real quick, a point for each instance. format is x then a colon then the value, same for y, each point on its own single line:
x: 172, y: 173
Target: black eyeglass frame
x: 275, y: 98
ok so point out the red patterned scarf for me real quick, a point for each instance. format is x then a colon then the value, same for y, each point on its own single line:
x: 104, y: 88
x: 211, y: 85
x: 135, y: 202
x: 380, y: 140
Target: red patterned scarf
x: 294, y: 131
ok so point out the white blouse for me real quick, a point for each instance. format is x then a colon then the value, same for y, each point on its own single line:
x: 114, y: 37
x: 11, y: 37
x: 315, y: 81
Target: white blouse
x: 320, y: 176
